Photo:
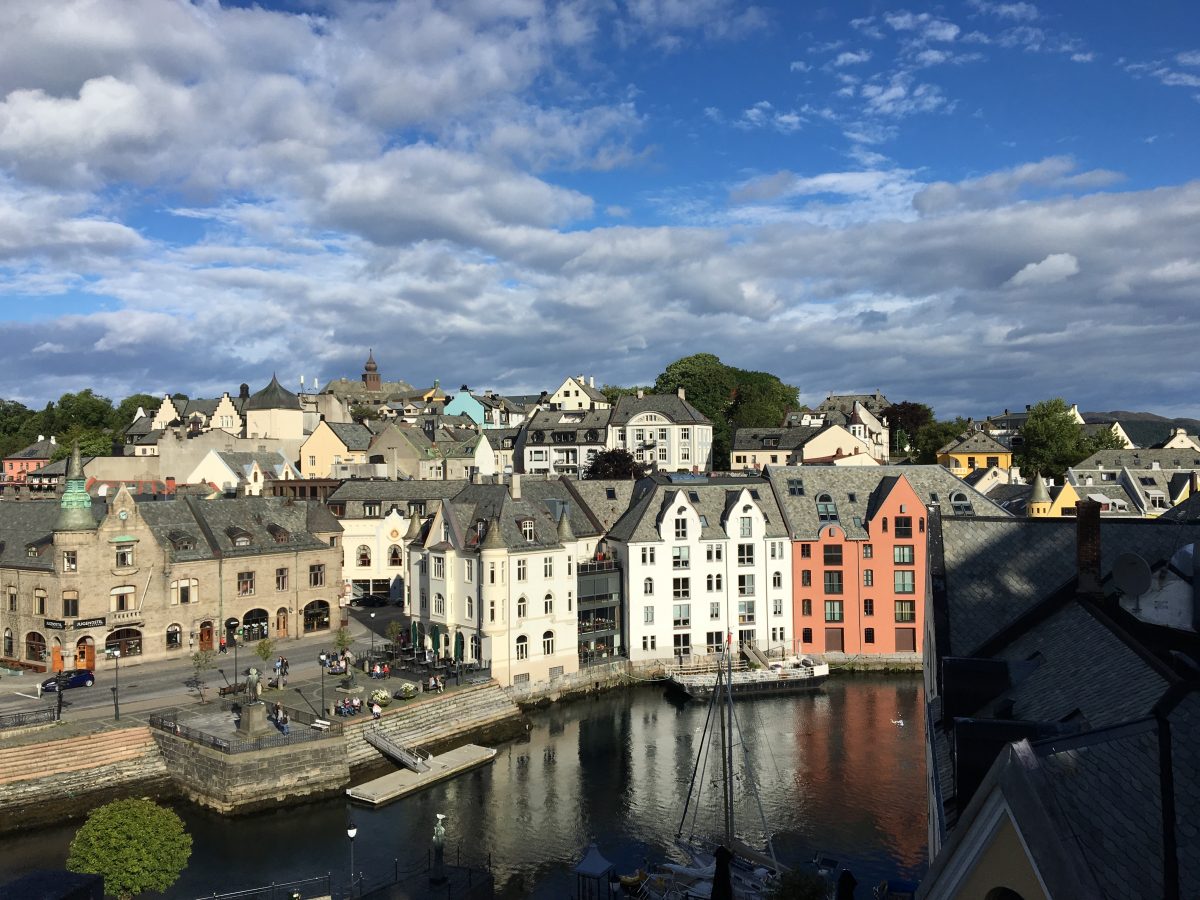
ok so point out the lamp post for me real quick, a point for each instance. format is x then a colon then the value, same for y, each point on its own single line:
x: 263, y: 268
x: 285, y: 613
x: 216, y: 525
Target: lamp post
x: 322, y: 658
x: 237, y: 673
x: 351, y: 831
x: 115, y: 655
x: 371, y: 625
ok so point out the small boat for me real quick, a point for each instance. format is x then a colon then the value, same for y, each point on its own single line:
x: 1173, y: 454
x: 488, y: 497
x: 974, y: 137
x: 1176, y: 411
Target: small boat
x: 790, y: 676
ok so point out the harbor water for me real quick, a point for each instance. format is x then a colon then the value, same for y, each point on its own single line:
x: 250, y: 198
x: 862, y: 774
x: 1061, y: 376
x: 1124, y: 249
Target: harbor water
x: 837, y: 773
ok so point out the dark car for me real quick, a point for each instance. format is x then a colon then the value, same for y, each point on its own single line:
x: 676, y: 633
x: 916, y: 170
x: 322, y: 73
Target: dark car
x: 373, y: 600
x: 72, y: 678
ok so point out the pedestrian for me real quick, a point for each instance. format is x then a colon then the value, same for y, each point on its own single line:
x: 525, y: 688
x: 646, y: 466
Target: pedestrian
x: 283, y: 723
x: 278, y: 711
x: 285, y: 667
x: 223, y: 649
x: 387, y: 671
x: 376, y: 711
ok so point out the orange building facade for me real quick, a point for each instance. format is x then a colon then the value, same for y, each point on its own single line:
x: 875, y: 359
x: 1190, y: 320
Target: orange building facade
x: 863, y: 596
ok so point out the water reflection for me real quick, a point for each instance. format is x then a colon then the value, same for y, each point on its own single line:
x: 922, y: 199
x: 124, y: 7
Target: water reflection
x: 835, y: 774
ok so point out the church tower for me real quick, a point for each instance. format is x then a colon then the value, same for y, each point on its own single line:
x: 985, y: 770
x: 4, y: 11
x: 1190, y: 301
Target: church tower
x: 75, y: 508
x: 370, y: 375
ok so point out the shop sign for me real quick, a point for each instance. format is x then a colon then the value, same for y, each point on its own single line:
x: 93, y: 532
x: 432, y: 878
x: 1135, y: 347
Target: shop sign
x: 55, y: 624
x: 88, y: 623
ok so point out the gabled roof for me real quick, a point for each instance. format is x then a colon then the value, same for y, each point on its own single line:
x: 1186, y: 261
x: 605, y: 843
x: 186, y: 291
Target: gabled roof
x: 671, y: 406
x: 353, y: 435
x: 386, y: 491
x: 844, y: 403
x: 1142, y: 459
x: 757, y: 439
x: 31, y: 522
x: 710, y: 497
x: 576, y: 420
x: 492, y: 503
x: 42, y: 449
x: 974, y: 442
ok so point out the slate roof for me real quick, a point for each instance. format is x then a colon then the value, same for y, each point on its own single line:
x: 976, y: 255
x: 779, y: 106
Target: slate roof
x: 491, y: 503
x: 844, y: 403
x: 975, y: 442
x: 933, y: 484
x: 496, y: 436
x: 584, y: 523
x: 713, y: 497
x: 1142, y: 459
x: 785, y: 438
x: 582, y: 420
x: 385, y: 490
x: 607, y: 500
x: 357, y: 389
x: 31, y: 522
x: 139, y: 426
x: 42, y: 449
x: 212, y: 524
x: 353, y: 435
x: 670, y: 406
x: 242, y: 462
x: 273, y: 396
x: 1146, y: 433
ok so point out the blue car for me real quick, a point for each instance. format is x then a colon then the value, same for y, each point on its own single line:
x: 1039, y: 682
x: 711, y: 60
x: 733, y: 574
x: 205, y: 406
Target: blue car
x: 72, y: 678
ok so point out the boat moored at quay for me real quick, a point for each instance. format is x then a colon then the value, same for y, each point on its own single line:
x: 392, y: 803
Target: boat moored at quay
x: 787, y: 676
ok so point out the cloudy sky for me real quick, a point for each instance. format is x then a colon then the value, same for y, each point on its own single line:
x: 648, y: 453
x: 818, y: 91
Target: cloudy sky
x: 975, y: 205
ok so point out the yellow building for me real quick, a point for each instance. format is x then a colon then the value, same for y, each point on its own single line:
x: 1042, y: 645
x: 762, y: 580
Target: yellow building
x: 974, y: 450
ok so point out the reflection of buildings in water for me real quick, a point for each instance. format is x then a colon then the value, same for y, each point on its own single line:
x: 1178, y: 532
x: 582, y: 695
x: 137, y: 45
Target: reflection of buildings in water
x: 863, y: 765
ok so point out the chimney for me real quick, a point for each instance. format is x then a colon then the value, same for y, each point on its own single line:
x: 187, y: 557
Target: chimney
x: 1014, y: 475
x: 592, y: 381
x: 53, y: 441
x: 1087, y: 548
x: 42, y: 437
x: 682, y: 393
x: 1028, y: 407
x: 514, y: 489
x: 640, y: 393
x: 1155, y: 465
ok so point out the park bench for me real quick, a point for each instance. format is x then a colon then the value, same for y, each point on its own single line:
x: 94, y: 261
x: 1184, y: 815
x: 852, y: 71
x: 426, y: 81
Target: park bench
x: 236, y: 688
x: 320, y: 725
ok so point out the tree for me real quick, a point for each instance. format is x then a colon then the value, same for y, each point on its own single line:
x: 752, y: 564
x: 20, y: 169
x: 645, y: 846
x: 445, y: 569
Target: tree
x: 618, y: 464
x: 359, y: 412
x: 612, y: 391
x: 1052, y: 440
x: 265, y: 650
x: 126, y: 410
x: 933, y: 437
x: 342, y: 639
x: 136, y: 845
x: 761, y: 400
x: 92, y: 442
x: 393, y: 633
x: 905, y: 420
x: 202, y: 662
x: 84, y: 410
x: 1103, y: 439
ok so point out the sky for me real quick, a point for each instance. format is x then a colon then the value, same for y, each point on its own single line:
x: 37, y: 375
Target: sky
x: 974, y: 204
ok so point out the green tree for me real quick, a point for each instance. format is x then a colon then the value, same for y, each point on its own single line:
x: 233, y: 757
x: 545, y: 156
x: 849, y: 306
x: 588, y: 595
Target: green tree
x: 933, y: 437
x: 1052, y: 440
x: 1103, y: 439
x: 612, y: 391
x: 342, y: 639
x: 92, y: 442
x: 85, y: 409
x: 126, y: 410
x: 393, y: 633
x: 136, y: 845
x: 265, y: 650
x: 618, y: 464
x: 905, y: 421
x: 760, y: 400
x: 359, y: 412
x: 15, y: 421
x: 202, y: 662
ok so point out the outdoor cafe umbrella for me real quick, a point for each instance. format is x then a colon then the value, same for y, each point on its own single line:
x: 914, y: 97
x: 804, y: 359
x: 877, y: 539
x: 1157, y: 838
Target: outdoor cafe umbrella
x: 458, y: 647
x: 435, y: 638
x: 414, y: 636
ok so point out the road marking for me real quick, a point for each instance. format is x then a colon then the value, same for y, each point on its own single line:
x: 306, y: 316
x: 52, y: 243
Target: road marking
x: 30, y: 696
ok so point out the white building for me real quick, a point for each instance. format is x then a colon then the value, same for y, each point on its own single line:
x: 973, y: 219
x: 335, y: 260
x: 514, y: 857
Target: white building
x: 663, y: 431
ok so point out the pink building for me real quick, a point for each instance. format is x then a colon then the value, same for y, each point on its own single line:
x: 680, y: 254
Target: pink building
x: 32, y: 458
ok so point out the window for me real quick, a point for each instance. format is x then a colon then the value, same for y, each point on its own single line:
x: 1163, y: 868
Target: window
x: 522, y: 607
x: 868, y: 635
x: 124, y: 558
x: 833, y: 582
x: 685, y: 434
x: 683, y: 644
x: 745, y: 612
x: 70, y: 561
x: 312, y: 461
x: 439, y: 567
x: 745, y: 554
x: 522, y: 647
x: 363, y: 555
x: 745, y: 585
x: 833, y: 610
x: 906, y: 611
x: 681, y: 588
x: 491, y: 610
x: 649, y: 642
x: 245, y: 582
x: 777, y: 580
x: 795, y: 487
x: 12, y: 599
x: 522, y: 569
x: 806, y: 578
x: 746, y: 527
x: 648, y: 586
x: 491, y: 573
x: 806, y: 551
x: 868, y: 577
x: 806, y: 607
x: 826, y: 509
x: 681, y: 529
x: 548, y: 604
x: 281, y: 580
x: 548, y: 566
x: 424, y: 601
x: 395, y: 556
x: 868, y: 606
x: 439, y: 605
x: 681, y: 615
x: 903, y: 554
x: 527, y: 529
x: 868, y: 551
x: 522, y: 678
x: 662, y: 454
x: 883, y: 521
x: 647, y: 615
x: 833, y: 554
x: 122, y: 599
x: 316, y: 575
x: 371, y: 510
x: 648, y: 556
x: 39, y: 602
x: 716, y: 552
x: 70, y: 604
x: 905, y: 582
x: 714, y: 610
x: 777, y: 607
x: 681, y: 557
x: 806, y: 636
x: 904, y: 526
x: 714, y: 641
x: 548, y: 644
x: 714, y: 582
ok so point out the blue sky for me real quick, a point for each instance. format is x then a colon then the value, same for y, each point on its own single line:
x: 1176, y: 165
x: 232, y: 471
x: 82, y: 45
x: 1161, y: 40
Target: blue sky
x: 973, y: 204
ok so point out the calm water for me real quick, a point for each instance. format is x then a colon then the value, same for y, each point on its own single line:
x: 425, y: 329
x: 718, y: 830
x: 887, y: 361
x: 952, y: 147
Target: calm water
x: 835, y: 775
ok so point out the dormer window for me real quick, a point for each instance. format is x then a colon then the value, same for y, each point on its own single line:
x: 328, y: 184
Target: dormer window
x: 826, y: 508
x: 795, y: 487
x: 527, y: 529
x: 240, y: 537
x: 181, y: 540
x: 480, y: 528
x: 281, y: 535
x: 961, y: 505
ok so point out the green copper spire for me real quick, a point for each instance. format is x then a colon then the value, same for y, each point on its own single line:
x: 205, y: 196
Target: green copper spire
x: 76, y: 505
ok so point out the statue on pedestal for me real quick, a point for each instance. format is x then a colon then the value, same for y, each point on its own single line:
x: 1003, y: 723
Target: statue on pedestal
x: 253, y: 688
x: 438, y: 875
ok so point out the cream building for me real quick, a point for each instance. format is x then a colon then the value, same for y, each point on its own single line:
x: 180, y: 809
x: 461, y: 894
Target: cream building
x: 663, y: 431
x: 577, y: 393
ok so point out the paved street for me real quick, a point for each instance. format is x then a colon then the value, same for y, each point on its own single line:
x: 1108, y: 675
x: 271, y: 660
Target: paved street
x: 146, y: 687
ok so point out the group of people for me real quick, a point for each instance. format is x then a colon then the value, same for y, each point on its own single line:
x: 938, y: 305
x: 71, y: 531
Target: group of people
x: 281, y: 719
x: 281, y: 672
x: 436, y: 684
x: 348, y: 706
x: 338, y: 663
x: 384, y: 671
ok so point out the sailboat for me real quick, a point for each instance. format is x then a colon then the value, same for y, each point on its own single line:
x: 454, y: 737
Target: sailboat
x: 723, y: 865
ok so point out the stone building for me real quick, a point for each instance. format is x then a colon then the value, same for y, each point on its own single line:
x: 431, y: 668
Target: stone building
x: 157, y: 579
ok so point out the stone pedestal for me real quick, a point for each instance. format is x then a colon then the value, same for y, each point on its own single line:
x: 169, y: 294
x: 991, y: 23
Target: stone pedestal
x: 253, y: 723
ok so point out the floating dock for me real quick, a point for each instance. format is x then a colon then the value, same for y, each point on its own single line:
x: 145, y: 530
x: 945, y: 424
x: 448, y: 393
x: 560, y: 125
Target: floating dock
x: 396, y: 785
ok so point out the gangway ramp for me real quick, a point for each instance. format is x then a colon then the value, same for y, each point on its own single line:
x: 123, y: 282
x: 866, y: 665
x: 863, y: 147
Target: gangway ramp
x: 393, y: 750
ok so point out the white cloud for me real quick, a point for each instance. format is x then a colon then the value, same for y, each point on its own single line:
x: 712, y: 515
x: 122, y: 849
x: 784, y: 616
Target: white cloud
x: 1018, y: 12
x: 851, y: 58
x: 1054, y: 268
x: 926, y: 26
x: 1188, y: 58
x: 903, y: 96
x: 799, y: 65
x: 1000, y: 187
x: 764, y: 115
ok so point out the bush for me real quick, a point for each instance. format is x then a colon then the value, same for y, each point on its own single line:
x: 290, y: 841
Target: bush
x: 380, y: 696
x: 136, y: 845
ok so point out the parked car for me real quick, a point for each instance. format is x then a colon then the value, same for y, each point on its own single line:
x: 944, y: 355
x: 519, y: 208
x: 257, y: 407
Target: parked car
x: 72, y: 678
x: 369, y: 600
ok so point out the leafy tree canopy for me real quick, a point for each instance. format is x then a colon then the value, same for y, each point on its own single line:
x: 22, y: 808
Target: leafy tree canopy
x: 905, y: 420
x: 618, y: 464
x: 127, y: 409
x: 359, y: 412
x: 136, y: 845
x: 1052, y: 440
x: 935, y: 435
x: 612, y: 391
x: 83, y: 410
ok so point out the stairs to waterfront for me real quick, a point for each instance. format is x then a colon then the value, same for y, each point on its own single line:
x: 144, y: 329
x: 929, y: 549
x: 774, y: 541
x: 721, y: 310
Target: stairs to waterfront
x: 433, y: 719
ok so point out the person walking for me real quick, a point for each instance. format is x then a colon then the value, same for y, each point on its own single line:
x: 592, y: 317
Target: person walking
x: 223, y: 647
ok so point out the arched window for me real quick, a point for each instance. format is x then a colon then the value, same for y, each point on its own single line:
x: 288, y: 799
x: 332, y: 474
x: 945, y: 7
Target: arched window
x: 548, y: 643
x: 826, y: 508
x: 395, y: 556
x: 439, y: 605
x: 522, y: 647
x: 549, y: 604
x: 316, y: 616
x: 522, y: 607
x: 35, y: 646
x: 470, y: 607
x: 885, y: 524
x: 777, y: 580
x: 8, y: 643
x: 174, y: 637
x: 648, y: 586
x: 126, y: 640
x: 363, y: 555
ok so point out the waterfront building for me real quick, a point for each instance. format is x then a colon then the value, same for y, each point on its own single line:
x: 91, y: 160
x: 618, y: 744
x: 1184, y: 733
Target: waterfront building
x: 157, y: 579
x: 703, y: 558
x: 859, y: 552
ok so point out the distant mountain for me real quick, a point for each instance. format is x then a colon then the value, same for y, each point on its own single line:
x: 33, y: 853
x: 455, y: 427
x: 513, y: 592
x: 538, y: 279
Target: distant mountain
x: 1144, y: 429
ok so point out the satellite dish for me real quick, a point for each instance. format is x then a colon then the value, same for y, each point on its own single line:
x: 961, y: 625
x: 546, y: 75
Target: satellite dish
x: 1131, y: 575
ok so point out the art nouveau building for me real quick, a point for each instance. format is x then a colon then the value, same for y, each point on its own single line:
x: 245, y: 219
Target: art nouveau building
x: 663, y: 431
x: 155, y: 580
x: 704, y: 558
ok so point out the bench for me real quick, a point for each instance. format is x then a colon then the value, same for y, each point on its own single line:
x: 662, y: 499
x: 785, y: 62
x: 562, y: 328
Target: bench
x: 226, y: 689
x: 320, y: 725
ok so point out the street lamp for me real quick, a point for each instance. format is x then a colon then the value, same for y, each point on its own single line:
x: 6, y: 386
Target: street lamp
x: 115, y: 656
x: 371, y: 625
x: 322, y: 659
x: 351, y: 831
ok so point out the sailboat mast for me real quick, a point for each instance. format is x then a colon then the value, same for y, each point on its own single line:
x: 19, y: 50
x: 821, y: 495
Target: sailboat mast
x: 727, y: 746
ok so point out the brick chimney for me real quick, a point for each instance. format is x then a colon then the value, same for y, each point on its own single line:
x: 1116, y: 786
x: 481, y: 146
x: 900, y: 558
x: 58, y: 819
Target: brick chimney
x: 1087, y: 548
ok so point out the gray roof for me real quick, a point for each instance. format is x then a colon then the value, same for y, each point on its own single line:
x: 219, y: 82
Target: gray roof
x: 670, y: 406
x: 353, y: 435
x: 31, y: 522
x: 975, y: 442
x: 711, y: 497
x: 273, y: 396
x: 1142, y: 459
x: 242, y: 461
x: 606, y: 499
x: 853, y: 490
x: 42, y: 449
x: 784, y: 438
x: 844, y: 403
x: 492, y: 503
x: 582, y: 420
x: 496, y: 436
x: 583, y: 522
x: 213, y: 525
x: 386, y: 491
